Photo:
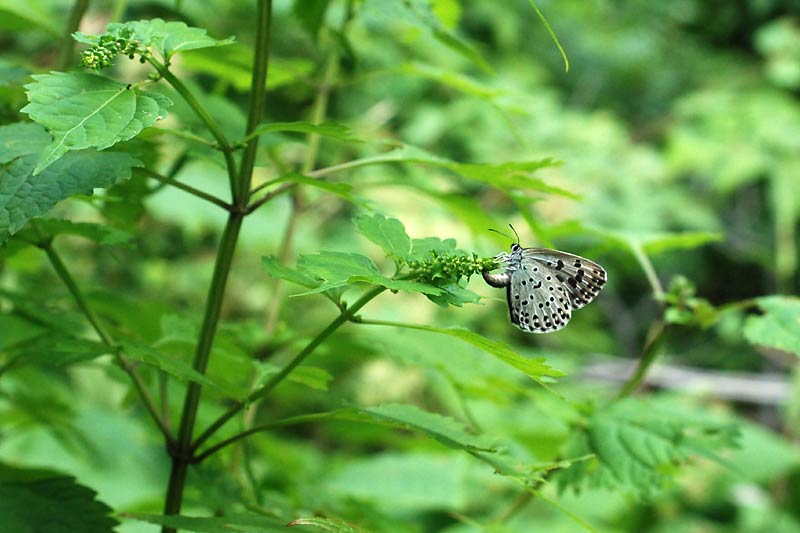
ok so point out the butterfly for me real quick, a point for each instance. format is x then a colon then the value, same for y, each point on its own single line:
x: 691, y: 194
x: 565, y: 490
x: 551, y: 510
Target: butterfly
x: 543, y: 286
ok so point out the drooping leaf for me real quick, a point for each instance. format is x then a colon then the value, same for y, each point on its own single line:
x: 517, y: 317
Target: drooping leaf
x: 172, y: 366
x: 325, y: 524
x: 218, y: 524
x: 46, y: 228
x: 533, y: 368
x: 334, y: 130
x: 444, y: 429
x: 24, y: 195
x: 656, y: 243
x: 510, y: 175
x: 82, y: 110
x: 311, y: 376
x: 168, y: 38
x: 54, y: 349
x: 778, y: 327
x: 279, y: 271
x: 310, y: 13
x: 388, y: 233
x: 43, y: 500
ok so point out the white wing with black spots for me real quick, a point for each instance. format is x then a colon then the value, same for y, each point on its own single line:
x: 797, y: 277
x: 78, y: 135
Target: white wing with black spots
x: 543, y: 286
x: 582, y: 278
x: 537, y: 301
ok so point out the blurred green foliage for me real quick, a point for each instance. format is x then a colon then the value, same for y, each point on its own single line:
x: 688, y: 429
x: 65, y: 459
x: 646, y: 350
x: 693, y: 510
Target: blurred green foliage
x: 396, y: 133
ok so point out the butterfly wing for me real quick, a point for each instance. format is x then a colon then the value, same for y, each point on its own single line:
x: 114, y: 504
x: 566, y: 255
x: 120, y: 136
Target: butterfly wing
x: 582, y: 278
x: 537, y: 301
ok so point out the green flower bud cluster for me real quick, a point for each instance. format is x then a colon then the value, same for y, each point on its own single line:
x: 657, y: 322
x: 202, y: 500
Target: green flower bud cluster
x: 446, y: 268
x: 684, y: 308
x: 103, y: 53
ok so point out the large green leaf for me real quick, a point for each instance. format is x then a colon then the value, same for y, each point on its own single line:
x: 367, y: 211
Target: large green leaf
x: 42, y: 500
x: 83, y: 110
x: 168, y: 38
x: 24, y: 195
x: 444, y: 429
x: 388, y: 233
x: 779, y: 326
x: 638, y: 445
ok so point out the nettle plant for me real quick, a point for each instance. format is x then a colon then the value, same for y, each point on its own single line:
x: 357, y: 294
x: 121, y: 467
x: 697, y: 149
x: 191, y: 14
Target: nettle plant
x: 89, y: 131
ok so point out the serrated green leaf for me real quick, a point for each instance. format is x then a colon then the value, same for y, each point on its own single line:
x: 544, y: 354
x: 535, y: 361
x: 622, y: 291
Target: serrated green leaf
x: 534, y: 368
x: 42, y: 500
x: 337, y: 269
x: 638, y: 446
x: 334, y: 130
x: 55, y: 349
x: 168, y: 38
x: 82, y: 110
x: 218, y: 524
x: 778, y: 327
x: 46, y: 228
x: 275, y: 269
x: 442, y: 428
x: 24, y: 195
x: 388, y: 233
x: 422, y: 249
x: 325, y: 524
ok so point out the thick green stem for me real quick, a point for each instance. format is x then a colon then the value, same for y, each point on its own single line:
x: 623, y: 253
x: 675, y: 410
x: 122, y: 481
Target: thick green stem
x: 346, y: 316
x: 68, y: 46
x: 181, y: 454
x: 258, y: 90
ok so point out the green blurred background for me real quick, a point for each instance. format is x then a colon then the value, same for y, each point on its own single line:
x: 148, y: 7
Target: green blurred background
x: 678, y: 125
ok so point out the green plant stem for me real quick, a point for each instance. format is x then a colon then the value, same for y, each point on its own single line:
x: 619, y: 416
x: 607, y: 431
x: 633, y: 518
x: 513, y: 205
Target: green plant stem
x: 347, y: 315
x: 649, y: 356
x: 207, y: 119
x: 182, y: 186
x: 66, y: 277
x: 301, y: 419
x: 181, y: 454
x: 258, y: 91
x: 649, y: 271
x: 76, y: 14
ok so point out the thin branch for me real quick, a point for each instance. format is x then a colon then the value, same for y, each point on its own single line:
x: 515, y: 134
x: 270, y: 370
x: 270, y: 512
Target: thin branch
x: 301, y: 419
x: 187, y: 188
x: 347, y: 315
x: 204, y: 116
x: 72, y: 287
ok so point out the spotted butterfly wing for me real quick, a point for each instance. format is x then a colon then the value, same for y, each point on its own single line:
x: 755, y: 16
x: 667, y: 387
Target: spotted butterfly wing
x: 543, y: 286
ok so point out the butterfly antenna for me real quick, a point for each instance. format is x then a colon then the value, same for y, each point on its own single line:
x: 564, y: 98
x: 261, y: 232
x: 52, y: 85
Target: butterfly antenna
x: 501, y: 233
x: 515, y: 232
